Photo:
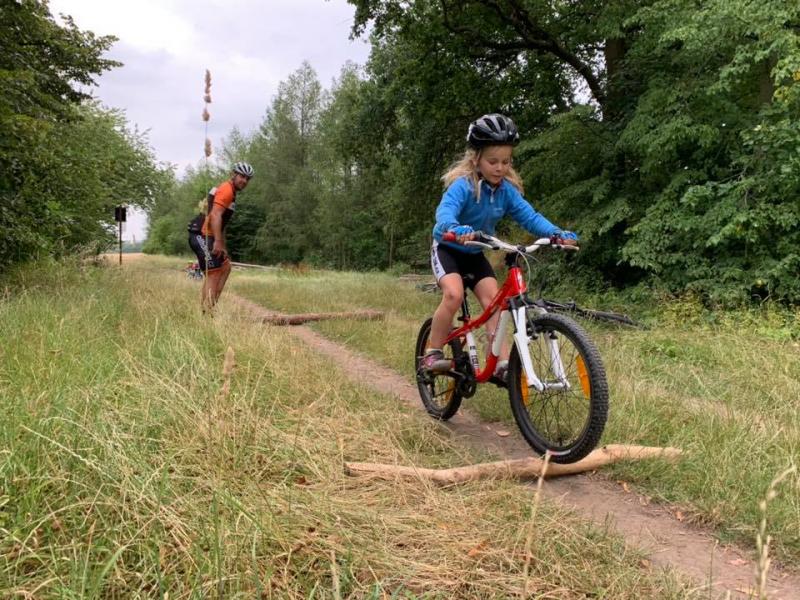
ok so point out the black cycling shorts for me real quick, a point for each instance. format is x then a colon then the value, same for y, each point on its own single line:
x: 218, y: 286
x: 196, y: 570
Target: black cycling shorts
x: 202, y: 245
x: 471, y: 267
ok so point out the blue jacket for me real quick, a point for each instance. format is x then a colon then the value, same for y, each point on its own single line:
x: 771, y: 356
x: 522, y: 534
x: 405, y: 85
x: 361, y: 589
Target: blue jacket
x: 459, y: 206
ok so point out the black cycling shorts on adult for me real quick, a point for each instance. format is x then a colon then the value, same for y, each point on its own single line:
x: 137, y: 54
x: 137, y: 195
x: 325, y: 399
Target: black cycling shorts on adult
x: 202, y: 246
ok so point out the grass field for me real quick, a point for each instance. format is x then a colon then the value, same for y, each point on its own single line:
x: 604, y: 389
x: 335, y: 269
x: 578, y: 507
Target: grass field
x: 148, y: 452
x: 725, y: 387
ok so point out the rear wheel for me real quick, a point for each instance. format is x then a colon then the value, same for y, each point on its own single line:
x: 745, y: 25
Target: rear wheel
x: 567, y: 417
x: 440, y: 393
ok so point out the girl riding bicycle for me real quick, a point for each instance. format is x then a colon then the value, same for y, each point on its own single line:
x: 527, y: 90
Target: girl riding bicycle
x: 481, y: 188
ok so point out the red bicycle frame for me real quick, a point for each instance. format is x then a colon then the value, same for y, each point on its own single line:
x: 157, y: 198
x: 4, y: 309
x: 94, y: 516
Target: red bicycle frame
x: 513, y: 286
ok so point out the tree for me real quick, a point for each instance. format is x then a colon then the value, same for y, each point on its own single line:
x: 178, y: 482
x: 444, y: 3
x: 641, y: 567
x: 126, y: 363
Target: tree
x: 280, y: 154
x: 64, y: 162
x: 678, y: 165
x: 349, y: 218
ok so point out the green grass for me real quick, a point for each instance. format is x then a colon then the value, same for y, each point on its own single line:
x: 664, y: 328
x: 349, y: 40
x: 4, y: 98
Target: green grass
x: 725, y: 387
x: 137, y: 461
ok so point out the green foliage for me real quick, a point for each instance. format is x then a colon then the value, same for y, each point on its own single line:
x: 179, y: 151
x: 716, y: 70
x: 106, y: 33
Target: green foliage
x: 64, y: 162
x: 39, y: 62
x: 682, y: 167
x: 664, y: 131
x: 163, y: 237
x: 716, y: 139
x: 284, y: 188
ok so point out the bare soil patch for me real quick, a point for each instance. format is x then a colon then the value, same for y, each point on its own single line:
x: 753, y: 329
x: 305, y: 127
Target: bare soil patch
x: 113, y: 257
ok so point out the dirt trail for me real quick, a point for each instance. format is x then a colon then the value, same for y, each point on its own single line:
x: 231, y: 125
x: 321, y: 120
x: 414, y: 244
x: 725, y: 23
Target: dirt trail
x: 651, y: 528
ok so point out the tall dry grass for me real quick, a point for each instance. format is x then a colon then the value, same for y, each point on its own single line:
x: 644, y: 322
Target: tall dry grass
x: 724, y: 386
x: 149, y: 452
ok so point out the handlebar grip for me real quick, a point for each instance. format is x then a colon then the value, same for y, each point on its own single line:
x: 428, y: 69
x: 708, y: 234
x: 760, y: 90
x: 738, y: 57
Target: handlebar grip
x: 450, y: 236
x: 558, y: 242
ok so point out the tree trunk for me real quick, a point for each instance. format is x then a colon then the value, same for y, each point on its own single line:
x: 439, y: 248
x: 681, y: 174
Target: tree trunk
x: 766, y: 86
x: 614, y: 53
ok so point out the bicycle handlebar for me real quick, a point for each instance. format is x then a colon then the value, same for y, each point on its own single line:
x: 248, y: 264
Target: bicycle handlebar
x: 489, y: 241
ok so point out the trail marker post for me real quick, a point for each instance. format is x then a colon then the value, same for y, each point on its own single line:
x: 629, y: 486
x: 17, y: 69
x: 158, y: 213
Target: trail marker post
x: 120, y: 214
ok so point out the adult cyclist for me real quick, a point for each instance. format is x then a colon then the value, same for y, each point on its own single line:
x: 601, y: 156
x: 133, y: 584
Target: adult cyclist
x: 209, y: 242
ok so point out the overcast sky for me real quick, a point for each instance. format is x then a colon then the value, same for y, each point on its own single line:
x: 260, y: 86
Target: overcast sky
x: 249, y: 46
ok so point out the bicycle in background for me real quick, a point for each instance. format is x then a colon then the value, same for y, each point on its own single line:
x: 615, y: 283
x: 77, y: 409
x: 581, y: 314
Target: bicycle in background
x: 570, y: 307
x: 193, y: 271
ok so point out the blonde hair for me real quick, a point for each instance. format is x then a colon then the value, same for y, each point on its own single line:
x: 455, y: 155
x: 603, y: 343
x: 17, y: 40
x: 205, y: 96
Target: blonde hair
x: 467, y: 167
x: 202, y: 206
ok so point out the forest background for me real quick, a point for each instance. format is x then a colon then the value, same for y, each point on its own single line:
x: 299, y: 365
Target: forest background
x: 664, y: 132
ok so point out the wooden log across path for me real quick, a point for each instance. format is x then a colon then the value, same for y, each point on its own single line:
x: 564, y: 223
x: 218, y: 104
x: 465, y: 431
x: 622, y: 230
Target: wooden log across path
x: 521, y: 468
x: 298, y: 319
x: 249, y: 266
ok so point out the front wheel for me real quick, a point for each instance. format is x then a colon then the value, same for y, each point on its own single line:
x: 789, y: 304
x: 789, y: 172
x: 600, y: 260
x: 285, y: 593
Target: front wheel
x: 567, y: 417
x: 440, y: 393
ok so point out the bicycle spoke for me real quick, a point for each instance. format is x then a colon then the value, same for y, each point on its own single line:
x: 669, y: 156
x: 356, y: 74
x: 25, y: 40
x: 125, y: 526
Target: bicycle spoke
x: 560, y: 414
x: 446, y: 392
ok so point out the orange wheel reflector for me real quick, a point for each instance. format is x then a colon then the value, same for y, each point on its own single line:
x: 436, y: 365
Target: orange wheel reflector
x: 583, y: 375
x: 525, y: 391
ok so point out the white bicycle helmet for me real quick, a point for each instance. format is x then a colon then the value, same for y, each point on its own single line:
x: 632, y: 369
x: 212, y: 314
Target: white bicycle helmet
x: 243, y: 168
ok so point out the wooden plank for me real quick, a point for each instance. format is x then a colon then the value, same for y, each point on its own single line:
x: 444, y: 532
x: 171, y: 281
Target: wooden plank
x: 522, y: 468
x: 298, y: 319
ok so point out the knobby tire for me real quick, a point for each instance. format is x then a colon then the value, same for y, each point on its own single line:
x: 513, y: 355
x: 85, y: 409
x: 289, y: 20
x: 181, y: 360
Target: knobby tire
x: 566, y: 422
x: 440, y: 394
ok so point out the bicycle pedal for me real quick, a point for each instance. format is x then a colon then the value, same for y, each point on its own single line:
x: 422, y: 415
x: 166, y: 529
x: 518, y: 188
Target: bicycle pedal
x: 498, y: 382
x: 441, y: 366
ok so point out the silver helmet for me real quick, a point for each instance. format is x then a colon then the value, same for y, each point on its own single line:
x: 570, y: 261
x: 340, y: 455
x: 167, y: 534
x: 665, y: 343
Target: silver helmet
x: 492, y: 130
x: 243, y: 168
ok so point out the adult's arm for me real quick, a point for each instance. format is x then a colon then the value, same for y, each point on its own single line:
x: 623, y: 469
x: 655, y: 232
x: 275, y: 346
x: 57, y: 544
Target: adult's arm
x: 215, y: 224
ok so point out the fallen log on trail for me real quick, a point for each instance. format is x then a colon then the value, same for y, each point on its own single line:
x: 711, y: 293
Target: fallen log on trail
x: 359, y: 315
x: 522, y: 468
x: 249, y: 266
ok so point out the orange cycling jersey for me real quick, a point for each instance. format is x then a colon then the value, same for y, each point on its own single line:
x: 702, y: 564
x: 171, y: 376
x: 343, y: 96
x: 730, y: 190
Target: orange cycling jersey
x: 224, y: 196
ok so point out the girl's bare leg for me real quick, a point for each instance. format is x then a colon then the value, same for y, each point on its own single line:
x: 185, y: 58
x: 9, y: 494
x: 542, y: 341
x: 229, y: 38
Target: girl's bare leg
x: 452, y: 296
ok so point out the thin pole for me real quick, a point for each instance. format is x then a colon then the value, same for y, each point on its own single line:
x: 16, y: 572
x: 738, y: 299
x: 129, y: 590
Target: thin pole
x: 120, y: 242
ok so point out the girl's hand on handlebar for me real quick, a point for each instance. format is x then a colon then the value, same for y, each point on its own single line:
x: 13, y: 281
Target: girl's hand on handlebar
x: 462, y: 234
x: 564, y: 238
x: 463, y: 239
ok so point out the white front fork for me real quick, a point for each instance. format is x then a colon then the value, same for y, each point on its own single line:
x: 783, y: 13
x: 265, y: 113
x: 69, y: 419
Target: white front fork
x: 521, y: 339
